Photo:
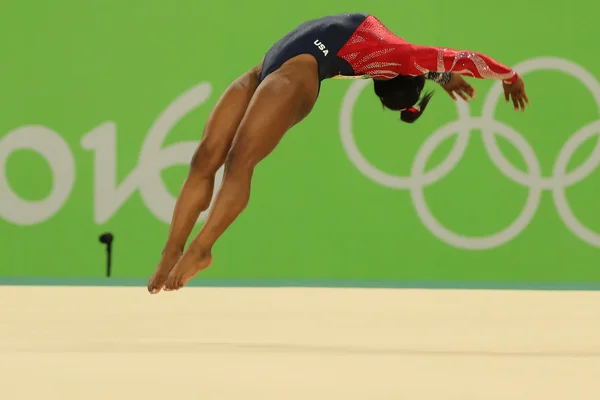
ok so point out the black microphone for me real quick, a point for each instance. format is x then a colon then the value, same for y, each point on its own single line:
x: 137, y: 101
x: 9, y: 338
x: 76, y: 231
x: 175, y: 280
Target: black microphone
x: 107, y: 239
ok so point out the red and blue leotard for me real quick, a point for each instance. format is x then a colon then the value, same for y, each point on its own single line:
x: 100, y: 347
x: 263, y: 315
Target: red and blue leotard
x: 355, y: 45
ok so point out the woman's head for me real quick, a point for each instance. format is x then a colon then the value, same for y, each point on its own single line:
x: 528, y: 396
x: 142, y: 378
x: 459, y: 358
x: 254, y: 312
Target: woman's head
x: 401, y: 94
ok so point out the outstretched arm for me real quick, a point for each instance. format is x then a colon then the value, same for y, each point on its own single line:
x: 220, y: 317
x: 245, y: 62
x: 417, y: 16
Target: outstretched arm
x: 434, y: 60
x: 463, y: 62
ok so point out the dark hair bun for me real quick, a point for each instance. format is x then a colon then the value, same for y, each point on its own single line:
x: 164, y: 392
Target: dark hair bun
x: 411, y: 114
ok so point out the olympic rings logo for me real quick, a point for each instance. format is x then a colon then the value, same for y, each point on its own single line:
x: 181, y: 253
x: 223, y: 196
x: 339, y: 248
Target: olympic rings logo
x: 532, y: 179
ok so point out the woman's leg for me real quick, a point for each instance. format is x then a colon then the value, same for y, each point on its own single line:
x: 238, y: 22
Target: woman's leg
x: 197, y: 190
x: 282, y: 100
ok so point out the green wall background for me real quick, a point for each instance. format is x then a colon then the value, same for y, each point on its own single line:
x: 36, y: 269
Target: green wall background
x: 88, y: 80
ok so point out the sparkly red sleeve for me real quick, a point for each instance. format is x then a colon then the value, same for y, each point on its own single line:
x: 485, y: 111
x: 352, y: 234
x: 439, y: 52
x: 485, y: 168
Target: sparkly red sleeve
x: 425, y: 59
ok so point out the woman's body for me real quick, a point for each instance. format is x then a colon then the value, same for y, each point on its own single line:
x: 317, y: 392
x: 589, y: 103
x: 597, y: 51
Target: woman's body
x: 256, y: 111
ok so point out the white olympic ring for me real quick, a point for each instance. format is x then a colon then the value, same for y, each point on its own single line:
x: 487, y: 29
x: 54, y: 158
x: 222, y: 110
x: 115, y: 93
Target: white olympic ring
x: 532, y: 179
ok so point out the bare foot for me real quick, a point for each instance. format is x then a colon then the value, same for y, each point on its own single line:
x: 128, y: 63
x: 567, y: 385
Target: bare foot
x: 188, y: 266
x: 162, y: 271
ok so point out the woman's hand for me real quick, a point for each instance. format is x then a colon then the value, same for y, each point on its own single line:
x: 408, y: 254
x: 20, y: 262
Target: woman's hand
x: 459, y: 86
x: 516, y: 92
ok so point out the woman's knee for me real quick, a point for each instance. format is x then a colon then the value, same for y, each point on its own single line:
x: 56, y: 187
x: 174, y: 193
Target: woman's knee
x: 239, y: 161
x: 209, y: 157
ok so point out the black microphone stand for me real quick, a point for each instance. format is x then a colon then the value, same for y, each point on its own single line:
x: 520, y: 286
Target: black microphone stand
x: 107, y: 239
